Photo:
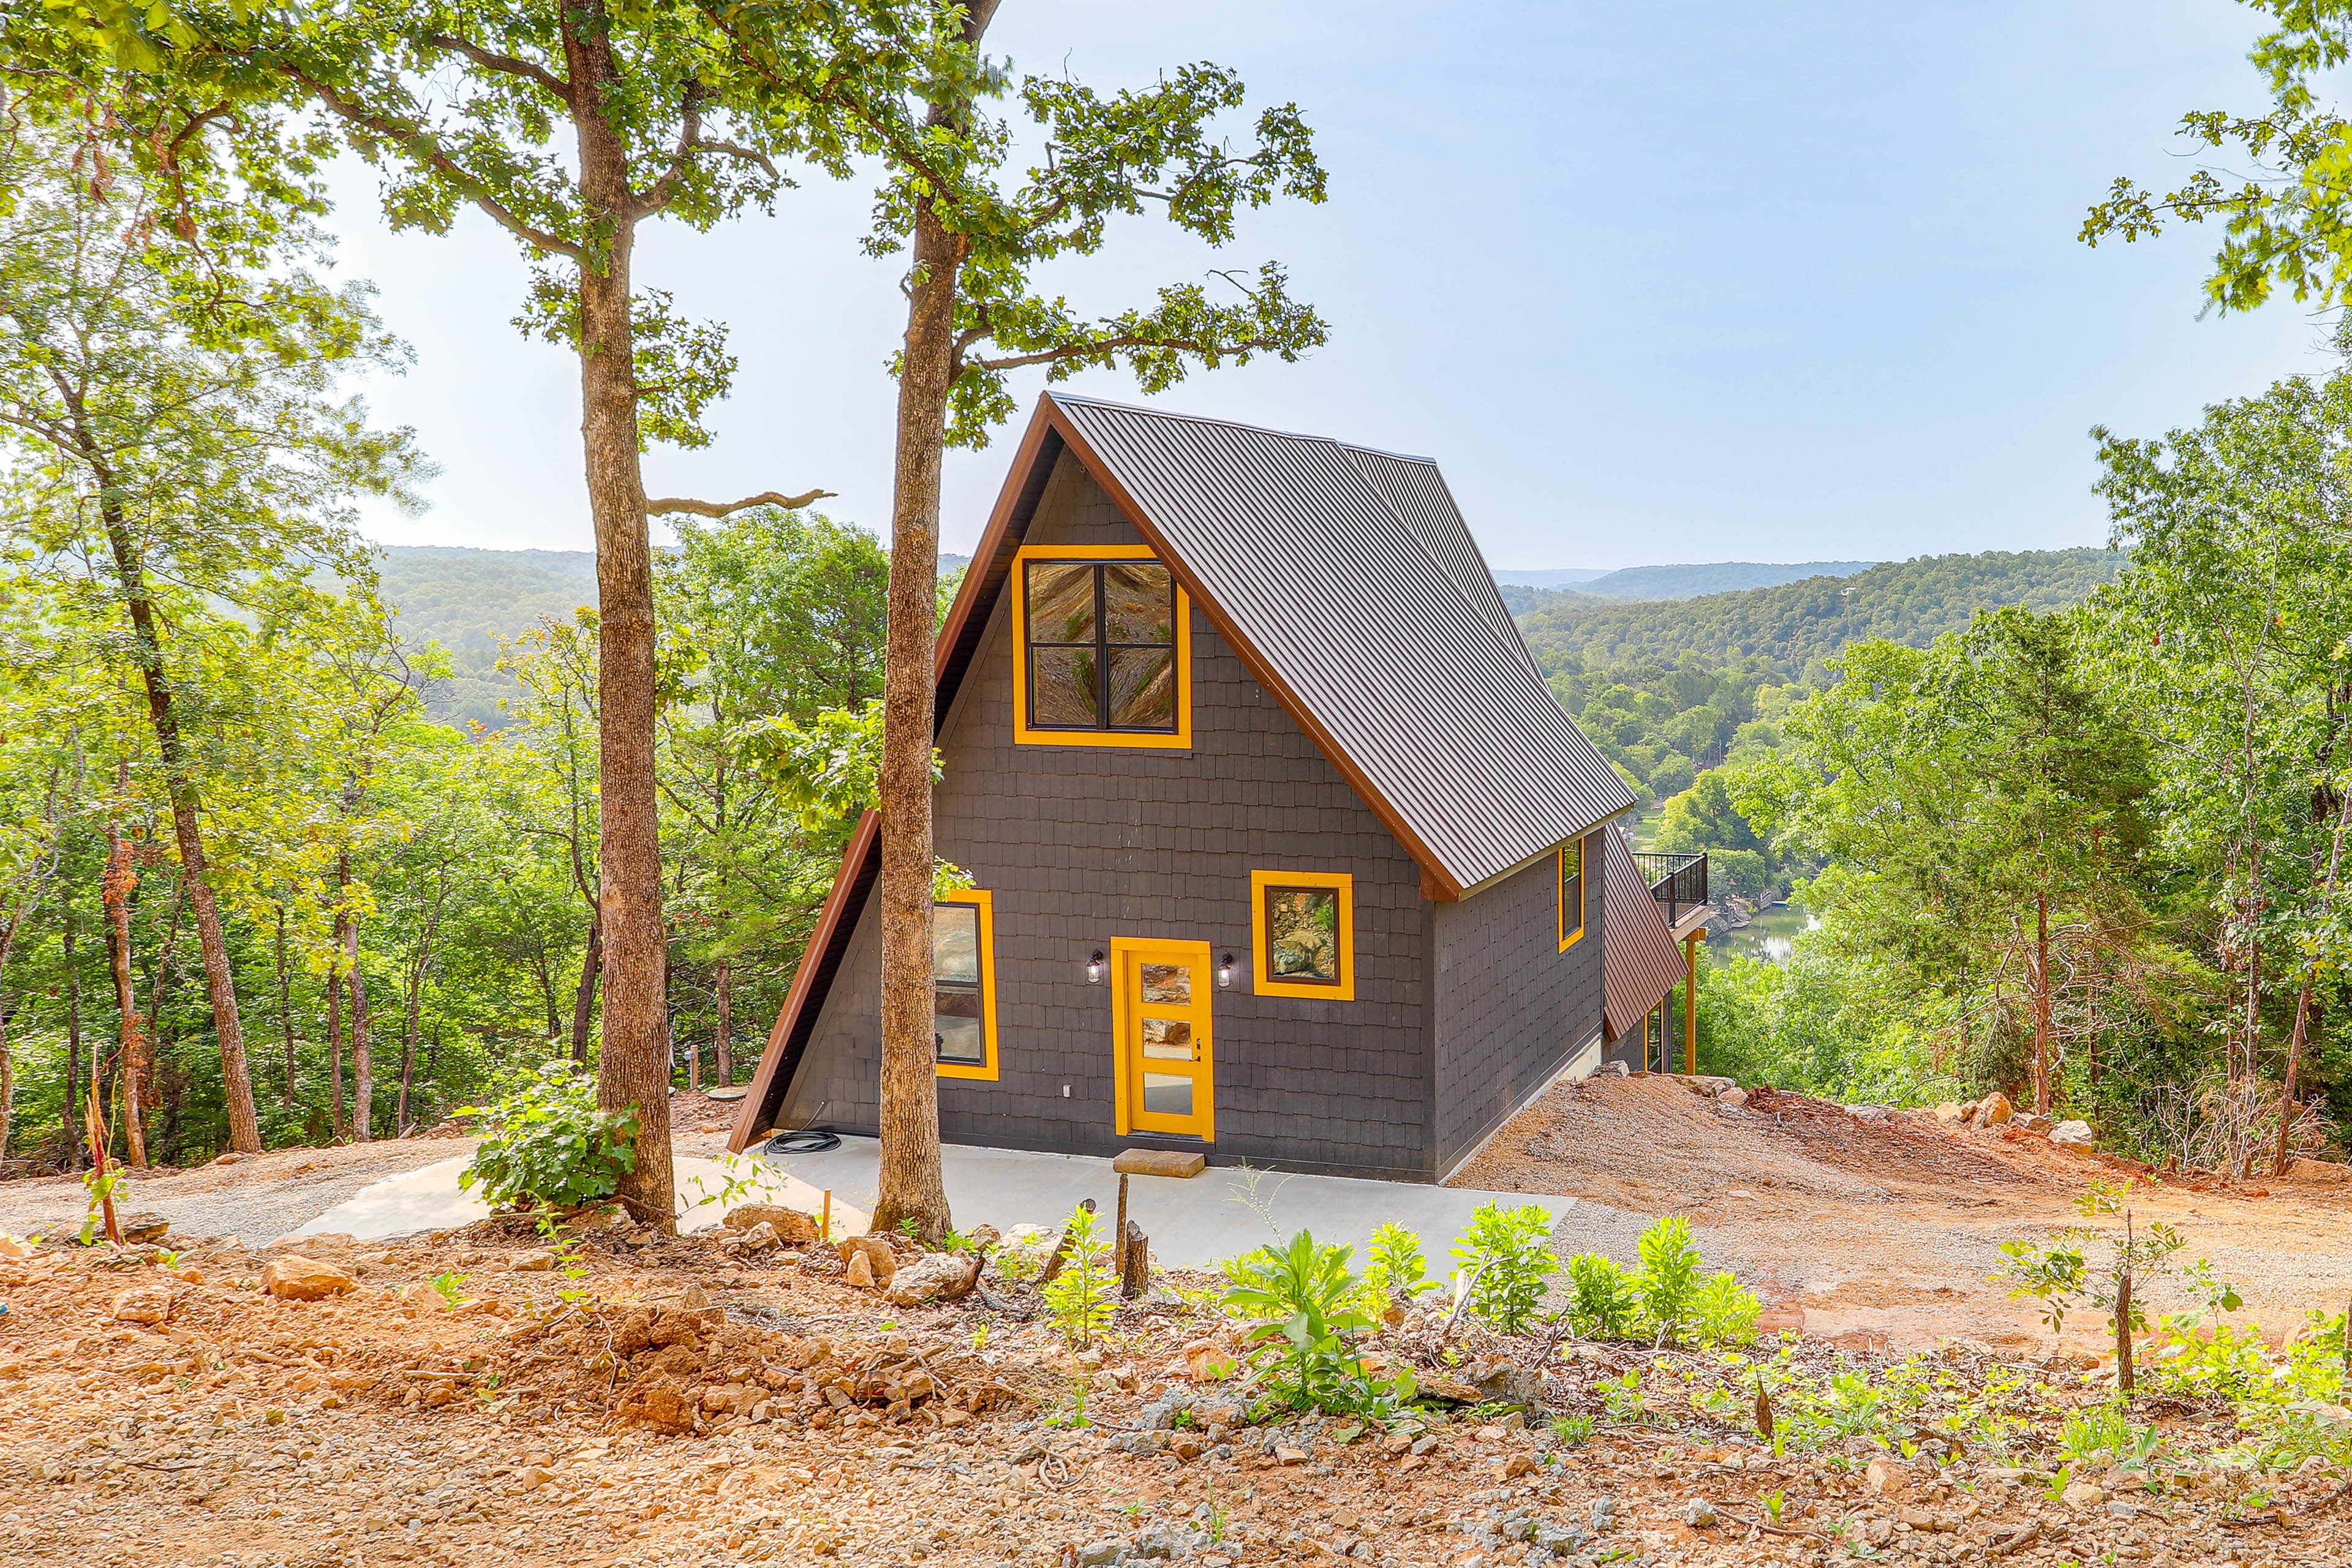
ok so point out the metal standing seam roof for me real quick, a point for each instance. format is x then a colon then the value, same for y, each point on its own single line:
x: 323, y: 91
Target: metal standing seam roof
x: 1351, y: 575
x: 1640, y: 962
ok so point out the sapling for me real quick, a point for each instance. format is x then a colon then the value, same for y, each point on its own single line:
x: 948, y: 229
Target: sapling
x: 2061, y: 1273
x: 1080, y: 1297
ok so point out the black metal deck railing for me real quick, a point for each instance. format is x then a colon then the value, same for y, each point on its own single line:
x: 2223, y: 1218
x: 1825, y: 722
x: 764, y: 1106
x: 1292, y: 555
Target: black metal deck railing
x: 1677, y: 881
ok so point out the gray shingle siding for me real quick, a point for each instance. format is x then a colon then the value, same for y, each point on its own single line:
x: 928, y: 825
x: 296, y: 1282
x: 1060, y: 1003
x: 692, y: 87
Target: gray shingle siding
x: 1511, y: 1007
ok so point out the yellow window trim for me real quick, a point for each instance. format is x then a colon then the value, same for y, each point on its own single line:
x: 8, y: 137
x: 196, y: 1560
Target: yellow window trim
x: 1260, y: 965
x: 987, y: 1069
x: 1180, y: 740
x: 1570, y: 935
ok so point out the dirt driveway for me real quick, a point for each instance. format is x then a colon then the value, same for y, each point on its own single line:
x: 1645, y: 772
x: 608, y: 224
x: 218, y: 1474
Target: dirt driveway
x: 1883, y: 1232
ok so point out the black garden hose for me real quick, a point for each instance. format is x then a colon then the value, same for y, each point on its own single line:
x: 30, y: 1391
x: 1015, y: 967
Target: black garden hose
x: 807, y: 1141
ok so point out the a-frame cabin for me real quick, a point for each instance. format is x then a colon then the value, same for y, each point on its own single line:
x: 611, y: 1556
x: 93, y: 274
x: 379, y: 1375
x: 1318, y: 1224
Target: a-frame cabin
x: 1284, y: 852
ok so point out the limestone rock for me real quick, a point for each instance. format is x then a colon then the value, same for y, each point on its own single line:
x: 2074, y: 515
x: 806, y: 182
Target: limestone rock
x: 1733, y: 1098
x: 1882, y: 1478
x: 294, y: 1277
x: 1452, y: 1390
x: 881, y: 1262
x: 16, y: 1249
x: 1700, y: 1513
x: 934, y: 1277
x: 1994, y: 1109
x: 2072, y: 1135
x: 1020, y: 1256
x: 148, y: 1301
x: 536, y: 1262
x: 2038, y: 1122
x: 793, y: 1227
x: 1950, y: 1113
x: 1505, y: 1382
x: 139, y: 1229
x: 2082, y: 1495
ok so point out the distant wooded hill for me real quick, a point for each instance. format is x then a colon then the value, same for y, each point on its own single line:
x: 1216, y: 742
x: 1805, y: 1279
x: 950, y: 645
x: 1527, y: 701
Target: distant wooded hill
x: 1519, y: 588
x: 465, y: 600
x: 1795, y: 624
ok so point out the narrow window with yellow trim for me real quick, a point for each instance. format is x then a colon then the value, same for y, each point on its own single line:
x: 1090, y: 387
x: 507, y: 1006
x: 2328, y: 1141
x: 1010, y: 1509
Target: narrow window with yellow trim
x: 1303, y: 928
x: 1572, y: 893
x: 1102, y: 648
x: 963, y: 983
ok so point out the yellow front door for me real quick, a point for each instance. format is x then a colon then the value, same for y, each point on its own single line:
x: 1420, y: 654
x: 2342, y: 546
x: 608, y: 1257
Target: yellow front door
x: 1160, y: 1013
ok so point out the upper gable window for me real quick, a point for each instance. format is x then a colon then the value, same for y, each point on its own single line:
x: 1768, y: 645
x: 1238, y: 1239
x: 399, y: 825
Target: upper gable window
x: 1102, y: 648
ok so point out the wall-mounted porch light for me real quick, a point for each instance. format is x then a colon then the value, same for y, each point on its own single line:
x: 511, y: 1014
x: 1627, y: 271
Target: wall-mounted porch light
x: 1094, y: 968
x: 1225, y: 972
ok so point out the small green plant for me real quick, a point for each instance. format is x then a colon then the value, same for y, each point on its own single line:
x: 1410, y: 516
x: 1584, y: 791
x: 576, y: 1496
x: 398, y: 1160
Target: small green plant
x: 101, y: 1188
x: 1605, y: 1307
x: 1307, y: 1310
x: 1724, y: 1314
x: 452, y: 1289
x: 1076, y: 1416
x: 546, y: 1144
x: 1506, y: 1257
x: 1774, y: 1501
x: 1571, y: 1431
x: 1081, y: 1295
x: 1668, y: 1282
x: 980, y: 1336
x: 567, y: 1260
x: 1395, y: 1270
x: 1624, y: 1398
x: 1217, y: 1521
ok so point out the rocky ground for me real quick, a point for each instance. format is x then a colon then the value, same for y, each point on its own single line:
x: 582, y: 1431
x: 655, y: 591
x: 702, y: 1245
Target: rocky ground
x: 644, y: 1400
x: 1880, y: 1229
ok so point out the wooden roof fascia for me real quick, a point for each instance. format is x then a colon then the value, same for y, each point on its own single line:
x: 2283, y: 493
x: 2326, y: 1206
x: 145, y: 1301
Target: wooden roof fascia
x: 1437, y: 883
x: 863, y: 842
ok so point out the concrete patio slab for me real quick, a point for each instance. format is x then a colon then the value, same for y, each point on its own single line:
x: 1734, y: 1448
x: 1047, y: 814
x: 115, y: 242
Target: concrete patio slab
x: 1193, y: 1222
x: 429, y: 1198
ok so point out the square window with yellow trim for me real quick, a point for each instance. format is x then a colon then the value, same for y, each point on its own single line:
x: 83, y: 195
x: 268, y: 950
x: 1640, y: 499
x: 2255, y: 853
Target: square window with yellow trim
x: 963, y: 984
x: 1303, y: 924
x: 1102, y: 650
x: 1572, y: 893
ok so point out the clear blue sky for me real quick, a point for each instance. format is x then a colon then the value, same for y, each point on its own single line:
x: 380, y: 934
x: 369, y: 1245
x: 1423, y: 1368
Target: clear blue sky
x: 1679, y: 282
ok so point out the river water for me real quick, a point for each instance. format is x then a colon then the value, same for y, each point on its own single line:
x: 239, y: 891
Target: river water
x: 1772, y: 934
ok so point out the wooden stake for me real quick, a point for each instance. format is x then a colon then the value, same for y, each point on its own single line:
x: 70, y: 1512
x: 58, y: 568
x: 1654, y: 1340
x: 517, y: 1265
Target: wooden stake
x: 1119, y: 1229
x: 825, y: 1226
x: 1135, y: 1261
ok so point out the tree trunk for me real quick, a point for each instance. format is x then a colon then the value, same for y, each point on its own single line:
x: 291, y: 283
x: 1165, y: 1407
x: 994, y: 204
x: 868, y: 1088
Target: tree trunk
x: 147, y: 649
x: 633, y: 1068
x: 122, y: 876
x: 286, y: 1015
x: 726, y: 1023
x: 583, y: 1000
x: 419, y: 963
x: 68, y: 1113
x: 912, y: 1187
x: 8, y: 1063
x: 362, y: 1064
x: 335, y: 1124
x: 2042, y: 1004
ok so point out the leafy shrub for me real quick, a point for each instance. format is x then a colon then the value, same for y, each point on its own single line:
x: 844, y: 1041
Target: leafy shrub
x: 1309, y: 1309
x: 1605, y: 1307
x: 1080, y: 1297
x: 1395, y: 1270
x: 545, y: 1142
x: 1724, y: 1314
x: 1506, y: 1255
x: 1668, y: 1282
